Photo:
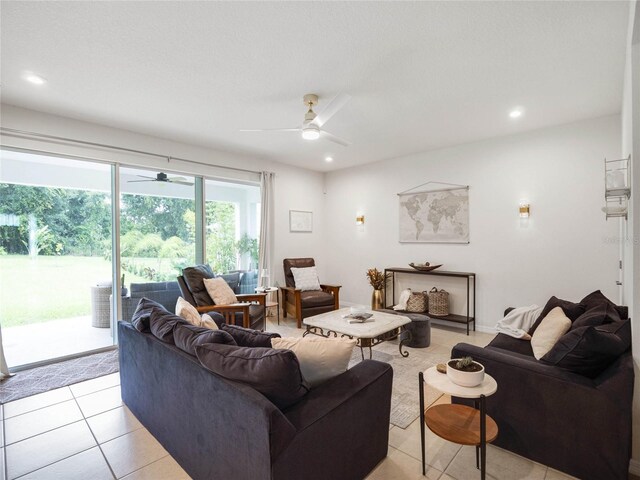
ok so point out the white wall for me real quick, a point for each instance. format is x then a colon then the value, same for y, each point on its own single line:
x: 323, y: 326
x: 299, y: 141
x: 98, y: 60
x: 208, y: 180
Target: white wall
x: 296, y: 188
x: 566, y: 248
x: 631, y: 252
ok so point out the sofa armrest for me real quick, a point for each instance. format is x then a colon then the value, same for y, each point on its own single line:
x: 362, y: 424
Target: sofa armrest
x: 347, y: 414
x: 335, y: 291
x: 525, y: 365
x: 259, y: 298
x: 320, y: 401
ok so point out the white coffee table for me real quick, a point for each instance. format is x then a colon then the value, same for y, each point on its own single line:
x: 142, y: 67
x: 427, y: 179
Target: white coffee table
x: 385, y: 326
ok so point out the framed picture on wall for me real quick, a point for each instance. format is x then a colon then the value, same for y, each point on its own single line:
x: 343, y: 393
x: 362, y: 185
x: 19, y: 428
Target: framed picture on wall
x: 300, y: 221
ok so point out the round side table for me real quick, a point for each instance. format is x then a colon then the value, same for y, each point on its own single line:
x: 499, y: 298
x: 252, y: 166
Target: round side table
x: 271, y: 304
x: 459, y: 423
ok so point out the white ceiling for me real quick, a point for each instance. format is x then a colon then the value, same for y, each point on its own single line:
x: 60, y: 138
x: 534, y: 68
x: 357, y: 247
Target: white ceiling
x: 422, y: 74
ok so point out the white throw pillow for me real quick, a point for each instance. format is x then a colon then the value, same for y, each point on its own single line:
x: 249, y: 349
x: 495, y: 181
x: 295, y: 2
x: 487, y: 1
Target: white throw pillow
x: 552, y: 327
x: 220, y: 291
x: 187, y: 311
x: 306, y: 278
x: 320, y: 358
x: 208, y: 322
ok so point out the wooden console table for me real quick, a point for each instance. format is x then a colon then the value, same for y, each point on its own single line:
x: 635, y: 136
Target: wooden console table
x: 466, y: 319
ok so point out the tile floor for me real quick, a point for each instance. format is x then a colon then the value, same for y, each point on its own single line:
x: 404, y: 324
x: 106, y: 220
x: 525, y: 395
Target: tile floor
x: 85, y: 432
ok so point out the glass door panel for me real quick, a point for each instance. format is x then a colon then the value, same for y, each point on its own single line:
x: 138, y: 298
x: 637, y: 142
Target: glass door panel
x: 157, y: 234
x: 55, y: 256
x: 232, y: 220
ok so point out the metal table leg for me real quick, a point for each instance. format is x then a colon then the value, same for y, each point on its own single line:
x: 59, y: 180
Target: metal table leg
x: 483, y: 438
x: 422, y: 439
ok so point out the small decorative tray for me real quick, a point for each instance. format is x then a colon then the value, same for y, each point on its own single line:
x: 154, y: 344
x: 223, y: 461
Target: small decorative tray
x: 424, y: 268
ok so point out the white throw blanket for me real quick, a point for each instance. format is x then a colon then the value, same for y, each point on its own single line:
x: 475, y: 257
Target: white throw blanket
x: 518, y: 321
x: 402, y: 301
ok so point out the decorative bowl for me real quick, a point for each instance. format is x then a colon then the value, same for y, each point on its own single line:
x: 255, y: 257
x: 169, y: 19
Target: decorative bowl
x: 423, y: 267
x: 464, y: 379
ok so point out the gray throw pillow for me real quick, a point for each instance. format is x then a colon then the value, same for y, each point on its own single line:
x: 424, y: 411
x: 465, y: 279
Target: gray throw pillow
x: 141, y: 317
x: 247, y: 337
x: 274, y: 373
x: 188, y: 337
x: 162, y: 324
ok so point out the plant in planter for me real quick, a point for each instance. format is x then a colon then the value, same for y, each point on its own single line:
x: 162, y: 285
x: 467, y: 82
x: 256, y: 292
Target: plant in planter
x: 465, y: 372
x: 377, y: 281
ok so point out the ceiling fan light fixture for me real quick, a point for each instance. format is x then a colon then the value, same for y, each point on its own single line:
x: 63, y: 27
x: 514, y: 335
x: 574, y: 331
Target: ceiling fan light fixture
x: 310, y: 132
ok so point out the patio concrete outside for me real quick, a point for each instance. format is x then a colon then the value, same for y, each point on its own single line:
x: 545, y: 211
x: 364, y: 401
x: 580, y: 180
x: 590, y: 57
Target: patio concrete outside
x: 47, y: 340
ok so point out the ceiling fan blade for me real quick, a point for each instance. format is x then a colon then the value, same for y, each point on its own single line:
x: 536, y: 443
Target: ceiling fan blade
x: 331, y: 109
x: 332, y: 138
x: 181, y: 182
x: 138, y: 181
x: 272, y: 130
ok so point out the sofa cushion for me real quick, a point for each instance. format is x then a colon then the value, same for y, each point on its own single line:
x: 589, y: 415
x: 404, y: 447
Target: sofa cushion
x: 142, y: 315
x: 552, y: 327
x: 188, y: 337
x: 570, y: 309
x: 162, y: 323
x: 220, y: 291
x: 194, y: 278
x: 590, y: 350
x: 511, y: 344
x: 232, y: 279
x: 320, y: 358
x: 316, y: 298
x: 597, y: 298
x: 274, y: 373
x: 596, y: 315
x: 246, y: 337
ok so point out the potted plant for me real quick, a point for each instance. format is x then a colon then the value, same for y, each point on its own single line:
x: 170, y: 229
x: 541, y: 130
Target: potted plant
x: 465, y: 372
x: 376, y: 280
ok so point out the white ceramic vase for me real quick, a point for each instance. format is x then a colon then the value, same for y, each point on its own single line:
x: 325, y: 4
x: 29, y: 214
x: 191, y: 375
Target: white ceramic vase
x: 465, y: 379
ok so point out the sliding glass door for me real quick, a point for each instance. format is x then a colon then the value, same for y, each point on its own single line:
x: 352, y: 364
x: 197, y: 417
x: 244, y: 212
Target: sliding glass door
x: 55, y: 256
x: 59, y: 256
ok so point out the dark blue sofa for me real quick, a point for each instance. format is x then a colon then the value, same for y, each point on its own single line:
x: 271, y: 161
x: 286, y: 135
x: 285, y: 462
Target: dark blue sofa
x: 219, y: 429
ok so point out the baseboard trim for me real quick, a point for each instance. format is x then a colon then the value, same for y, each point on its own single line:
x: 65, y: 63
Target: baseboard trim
x: 634, y: 467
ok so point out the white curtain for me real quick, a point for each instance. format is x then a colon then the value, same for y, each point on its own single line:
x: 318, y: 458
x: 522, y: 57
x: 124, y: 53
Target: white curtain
x: 266, y: 227
x: 4, y: 369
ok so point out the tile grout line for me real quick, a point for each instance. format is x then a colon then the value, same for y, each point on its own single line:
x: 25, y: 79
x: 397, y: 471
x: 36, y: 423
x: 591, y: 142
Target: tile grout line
x: 73, y: 396
x: 145, y: 466
x: 49, y: 464
x: 95, y: 439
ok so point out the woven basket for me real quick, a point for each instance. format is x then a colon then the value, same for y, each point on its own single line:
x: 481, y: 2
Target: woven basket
x: 438, y: 302
x: 418, y: 302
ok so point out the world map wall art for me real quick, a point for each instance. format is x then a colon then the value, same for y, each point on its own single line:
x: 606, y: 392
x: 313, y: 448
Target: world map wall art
x: 436, y: 216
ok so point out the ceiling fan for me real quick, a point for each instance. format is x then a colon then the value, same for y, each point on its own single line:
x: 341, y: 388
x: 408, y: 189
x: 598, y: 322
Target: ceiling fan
x: 311, y: 128
x: 162, y: 177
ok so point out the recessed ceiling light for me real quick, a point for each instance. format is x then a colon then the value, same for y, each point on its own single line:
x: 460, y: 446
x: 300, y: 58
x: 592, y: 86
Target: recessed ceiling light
x: 515, y: 113
x: 328, y: 159
x: 35, y: 79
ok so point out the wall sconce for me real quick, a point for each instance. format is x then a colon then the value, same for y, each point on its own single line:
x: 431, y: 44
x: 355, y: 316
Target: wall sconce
x: 360, y: 220
x: 524, y: 210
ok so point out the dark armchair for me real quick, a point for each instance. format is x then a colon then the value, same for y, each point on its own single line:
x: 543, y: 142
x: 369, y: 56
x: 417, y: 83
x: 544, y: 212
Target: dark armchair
x: 248, y: 312
x: 308, y: 303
